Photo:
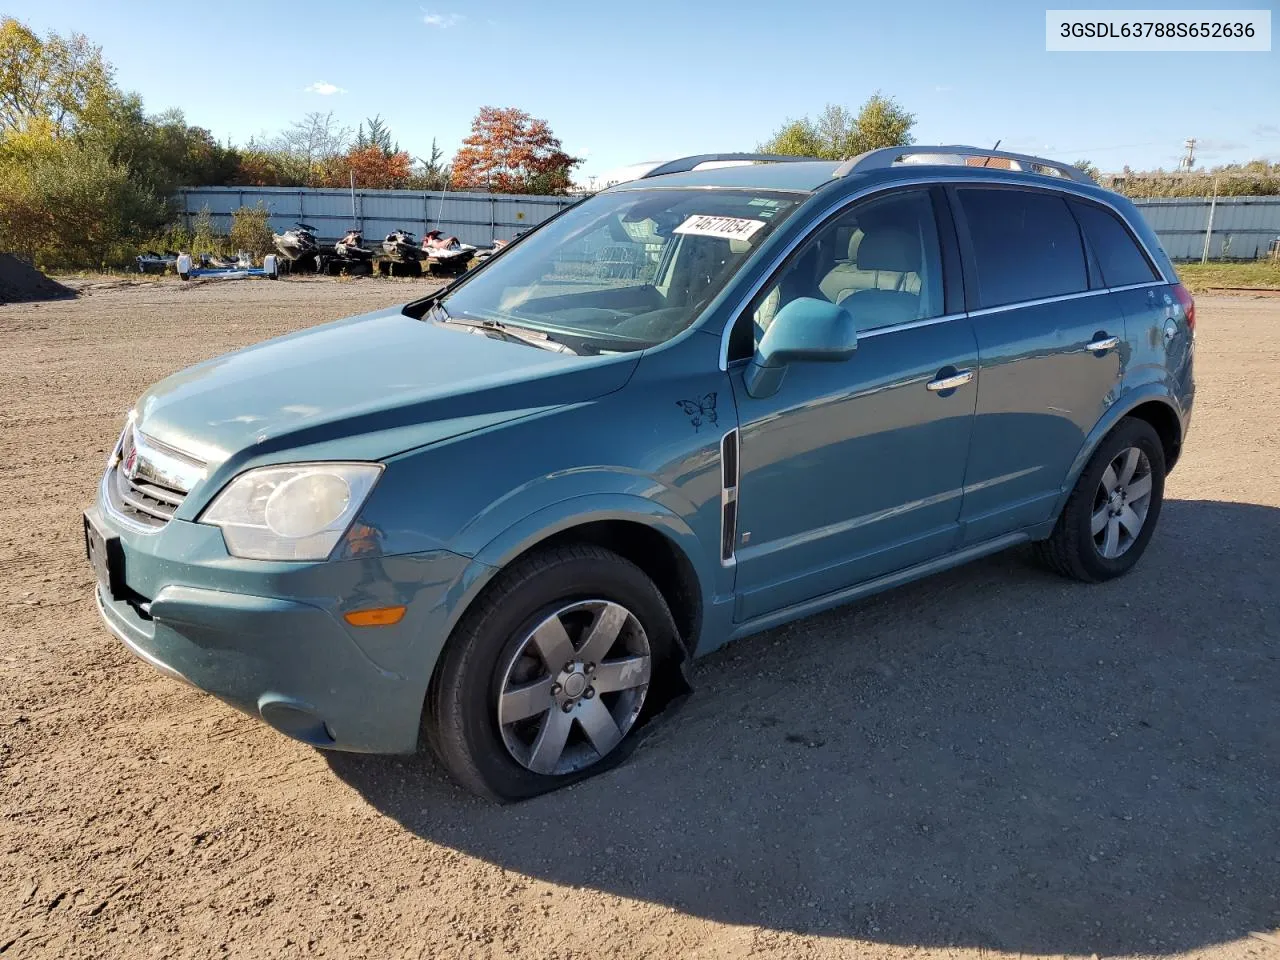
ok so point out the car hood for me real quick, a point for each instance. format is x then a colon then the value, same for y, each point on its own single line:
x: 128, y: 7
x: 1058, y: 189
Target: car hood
x: 364, y: 388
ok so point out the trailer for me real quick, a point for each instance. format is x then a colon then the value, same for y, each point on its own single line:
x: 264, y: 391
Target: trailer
x: 187, y: 271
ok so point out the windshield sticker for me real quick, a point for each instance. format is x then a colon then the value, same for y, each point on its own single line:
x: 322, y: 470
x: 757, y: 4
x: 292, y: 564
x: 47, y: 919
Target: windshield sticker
x: 770, y: 206
x: 727, y: 228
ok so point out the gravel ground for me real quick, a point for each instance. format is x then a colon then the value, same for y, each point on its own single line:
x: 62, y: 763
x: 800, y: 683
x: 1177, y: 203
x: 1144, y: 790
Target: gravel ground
x: 993, y: 760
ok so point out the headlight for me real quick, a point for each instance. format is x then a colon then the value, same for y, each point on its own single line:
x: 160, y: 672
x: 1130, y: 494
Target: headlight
x: 290, y: 513
x: 131, y: 416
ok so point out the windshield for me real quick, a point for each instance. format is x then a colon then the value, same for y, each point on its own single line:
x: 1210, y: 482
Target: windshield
x: 626, y: 270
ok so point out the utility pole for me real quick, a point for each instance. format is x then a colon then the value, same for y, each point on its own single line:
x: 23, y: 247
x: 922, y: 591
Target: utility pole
x: 1189, y: 158
x: 1208, y: 227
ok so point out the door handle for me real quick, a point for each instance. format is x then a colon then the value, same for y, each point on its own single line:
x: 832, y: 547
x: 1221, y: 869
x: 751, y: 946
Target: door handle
x: 1103, y: 344
x: 957, y: 379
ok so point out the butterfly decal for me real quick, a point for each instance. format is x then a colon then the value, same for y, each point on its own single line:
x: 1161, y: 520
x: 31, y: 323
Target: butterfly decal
x: 700, y: 411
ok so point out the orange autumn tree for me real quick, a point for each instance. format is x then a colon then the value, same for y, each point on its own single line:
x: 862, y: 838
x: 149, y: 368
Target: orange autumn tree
x: 509, y: 151
x: 373, y: 168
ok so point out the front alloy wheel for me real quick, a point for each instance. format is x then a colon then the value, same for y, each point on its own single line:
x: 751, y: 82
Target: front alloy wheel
x: 574, y: 687
x: 549, y: 672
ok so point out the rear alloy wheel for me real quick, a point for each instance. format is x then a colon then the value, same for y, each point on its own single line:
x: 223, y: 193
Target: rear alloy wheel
x: 1110, y: 516
x: 548, y: 673
x: 1121, y: 503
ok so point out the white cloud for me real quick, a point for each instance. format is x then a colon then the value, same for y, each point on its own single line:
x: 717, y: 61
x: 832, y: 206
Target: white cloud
x: 442, y: 20
x: 324, y: 88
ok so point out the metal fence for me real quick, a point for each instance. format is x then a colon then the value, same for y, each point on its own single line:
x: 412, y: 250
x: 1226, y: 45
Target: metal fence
x: 1238, y: 228
x: 1226, y: 228
x: 477, y: 218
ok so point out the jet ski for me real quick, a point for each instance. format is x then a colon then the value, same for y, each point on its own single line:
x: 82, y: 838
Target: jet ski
x: 448, y: 253
x: 351, y: 246
x: 349, y: 255
x: 485, y: 253
x: 298, y: 243
x: 218, y: 262
x: 402, y: 247
x: 151, y: 262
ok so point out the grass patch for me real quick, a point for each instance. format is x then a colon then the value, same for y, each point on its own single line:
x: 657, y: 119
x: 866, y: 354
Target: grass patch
x: 1253, y: 273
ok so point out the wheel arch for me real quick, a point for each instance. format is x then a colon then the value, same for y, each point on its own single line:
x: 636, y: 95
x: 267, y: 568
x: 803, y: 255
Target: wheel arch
x: 654, y: 552
x: 656, y: 540
x: 1152, y: 406
x: 1164, y: 420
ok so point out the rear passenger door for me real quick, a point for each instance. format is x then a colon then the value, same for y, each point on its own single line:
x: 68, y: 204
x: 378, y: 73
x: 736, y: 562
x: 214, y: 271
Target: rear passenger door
x: 1136, y: 288
x: 1049, y: 339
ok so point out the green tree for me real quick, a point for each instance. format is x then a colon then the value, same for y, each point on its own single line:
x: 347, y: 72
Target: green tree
x: 84, y: 171
x: 162, y: 150
x: 836, y: 133
x: 205, y: 237
x: 70, y: 204
x: 1088, y: 168
x: 263, y: 165
x: 251, y: 231
x: 55, y: 79
x: 379, y: 136
x: 431, y: 172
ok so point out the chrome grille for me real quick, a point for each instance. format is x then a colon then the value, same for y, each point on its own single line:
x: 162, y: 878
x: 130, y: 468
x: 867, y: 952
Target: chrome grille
x: 147, y: 481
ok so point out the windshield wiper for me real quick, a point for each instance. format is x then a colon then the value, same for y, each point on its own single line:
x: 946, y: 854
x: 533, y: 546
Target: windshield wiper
x: 515, y: 334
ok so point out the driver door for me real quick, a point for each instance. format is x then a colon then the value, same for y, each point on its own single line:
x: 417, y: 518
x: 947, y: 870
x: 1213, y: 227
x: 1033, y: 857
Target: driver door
x: 854, y: 469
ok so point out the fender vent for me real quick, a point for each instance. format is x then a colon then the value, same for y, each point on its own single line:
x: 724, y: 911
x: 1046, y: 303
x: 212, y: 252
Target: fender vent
x: 728, y: 496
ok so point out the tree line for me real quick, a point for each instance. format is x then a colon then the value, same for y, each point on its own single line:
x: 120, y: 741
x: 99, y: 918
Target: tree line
x: 1257, y: 178
x: 508, y: 151
x: 88, y: 176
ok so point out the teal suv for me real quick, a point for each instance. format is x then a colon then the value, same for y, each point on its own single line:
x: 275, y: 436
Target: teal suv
x: 502, y: 519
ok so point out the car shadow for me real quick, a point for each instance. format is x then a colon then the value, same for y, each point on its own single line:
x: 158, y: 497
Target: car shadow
x: 993, y: 757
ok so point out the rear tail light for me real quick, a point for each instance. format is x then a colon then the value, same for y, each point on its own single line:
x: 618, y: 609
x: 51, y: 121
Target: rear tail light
x: 1188, y: 303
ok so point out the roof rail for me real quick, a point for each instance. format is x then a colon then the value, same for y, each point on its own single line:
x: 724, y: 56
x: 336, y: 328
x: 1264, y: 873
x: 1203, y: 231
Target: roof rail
x: 887, y: 156
x: 685, y: 164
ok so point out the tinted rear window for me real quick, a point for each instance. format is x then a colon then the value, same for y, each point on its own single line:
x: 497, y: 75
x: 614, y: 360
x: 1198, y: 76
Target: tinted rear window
x: 1026, y: 245
x: 1118, y: 255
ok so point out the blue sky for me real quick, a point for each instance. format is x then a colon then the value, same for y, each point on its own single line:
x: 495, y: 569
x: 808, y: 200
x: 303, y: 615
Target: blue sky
x: 621, y: 83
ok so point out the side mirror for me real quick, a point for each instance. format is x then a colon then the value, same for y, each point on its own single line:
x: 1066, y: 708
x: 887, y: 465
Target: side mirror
x: 805, y: 329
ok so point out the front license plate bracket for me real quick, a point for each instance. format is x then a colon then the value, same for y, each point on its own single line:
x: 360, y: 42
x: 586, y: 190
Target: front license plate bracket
x: 106, y: 556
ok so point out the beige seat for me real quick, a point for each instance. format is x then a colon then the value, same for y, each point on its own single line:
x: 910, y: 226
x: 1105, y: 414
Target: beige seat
x: 880, y: 282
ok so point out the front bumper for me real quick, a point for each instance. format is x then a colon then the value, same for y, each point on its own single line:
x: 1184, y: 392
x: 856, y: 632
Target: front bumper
x: 269, y: 638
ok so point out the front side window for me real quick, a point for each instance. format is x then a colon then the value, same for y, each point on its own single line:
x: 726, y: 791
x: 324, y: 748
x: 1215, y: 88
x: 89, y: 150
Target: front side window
x: 1025, y: 243
x: 880, y: 260
x: 1117, y: 253
x: 623, y: 270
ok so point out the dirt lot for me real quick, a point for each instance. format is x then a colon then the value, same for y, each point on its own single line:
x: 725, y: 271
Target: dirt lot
x: 994, y: 760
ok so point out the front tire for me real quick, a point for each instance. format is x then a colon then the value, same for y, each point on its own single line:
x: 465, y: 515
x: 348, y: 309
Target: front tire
x: 1108, y: 520
x: 548, y: 673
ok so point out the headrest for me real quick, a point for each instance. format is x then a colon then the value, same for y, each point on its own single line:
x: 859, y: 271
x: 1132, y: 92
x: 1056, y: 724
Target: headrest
x: 889, y: 248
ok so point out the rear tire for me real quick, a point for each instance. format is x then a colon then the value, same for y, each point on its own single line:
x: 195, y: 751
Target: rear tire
x: 1111, y: 514
x: 604, y: 624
